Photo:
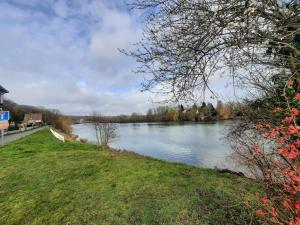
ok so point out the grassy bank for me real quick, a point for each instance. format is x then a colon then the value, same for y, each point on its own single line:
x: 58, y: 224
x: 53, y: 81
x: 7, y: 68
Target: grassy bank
x: 44, y: 181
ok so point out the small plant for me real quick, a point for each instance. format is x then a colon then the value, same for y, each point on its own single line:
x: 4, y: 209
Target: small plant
x: 105, y: 131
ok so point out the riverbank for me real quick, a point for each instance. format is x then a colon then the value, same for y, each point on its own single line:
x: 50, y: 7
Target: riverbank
x: 45, y: 181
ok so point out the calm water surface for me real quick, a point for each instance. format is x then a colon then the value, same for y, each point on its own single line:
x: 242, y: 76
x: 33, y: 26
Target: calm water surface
x: 197, y: 144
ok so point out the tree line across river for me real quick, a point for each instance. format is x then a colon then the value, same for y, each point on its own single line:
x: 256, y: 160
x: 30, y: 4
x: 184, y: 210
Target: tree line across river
x: 203, y: 112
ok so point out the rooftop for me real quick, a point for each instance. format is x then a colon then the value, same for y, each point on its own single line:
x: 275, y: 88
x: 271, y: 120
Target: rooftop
x: 33, y: 117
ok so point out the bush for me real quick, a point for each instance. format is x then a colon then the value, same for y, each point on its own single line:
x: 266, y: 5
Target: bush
x: 274, y: 159
x: 64, y: 124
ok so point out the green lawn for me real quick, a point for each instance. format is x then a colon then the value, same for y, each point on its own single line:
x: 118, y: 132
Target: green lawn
x: 44, y: 181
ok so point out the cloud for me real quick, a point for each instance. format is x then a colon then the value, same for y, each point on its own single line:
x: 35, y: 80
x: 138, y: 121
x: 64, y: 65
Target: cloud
x: 61, y: 9
x: 64, y: 55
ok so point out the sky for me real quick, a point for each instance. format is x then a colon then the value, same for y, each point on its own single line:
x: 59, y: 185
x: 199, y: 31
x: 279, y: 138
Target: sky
x: 63, y: 54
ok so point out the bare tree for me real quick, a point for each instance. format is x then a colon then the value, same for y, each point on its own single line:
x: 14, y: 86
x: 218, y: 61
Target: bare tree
x: 188, y: 42
x: 105, y: 131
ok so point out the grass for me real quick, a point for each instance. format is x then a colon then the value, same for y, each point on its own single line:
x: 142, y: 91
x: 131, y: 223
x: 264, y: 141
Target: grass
x: 44, y: 181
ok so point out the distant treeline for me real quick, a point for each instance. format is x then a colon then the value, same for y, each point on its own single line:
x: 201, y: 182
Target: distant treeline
x: 204, y: 112
x: 17, y: 112
x: 50, y: 116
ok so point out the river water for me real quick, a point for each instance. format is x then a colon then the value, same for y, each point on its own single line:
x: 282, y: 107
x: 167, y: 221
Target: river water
x: 197, y: 144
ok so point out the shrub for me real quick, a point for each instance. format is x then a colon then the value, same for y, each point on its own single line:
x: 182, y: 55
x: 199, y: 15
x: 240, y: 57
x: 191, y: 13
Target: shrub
x: 105, y: 131
x: 274, y: 159
x: 64, y: 124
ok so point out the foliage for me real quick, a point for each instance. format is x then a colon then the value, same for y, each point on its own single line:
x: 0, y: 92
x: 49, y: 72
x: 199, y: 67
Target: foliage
x: 64, y: 124
x: 44, y: 181
x: 206, y: 112
x: 224, y: 111
x: 17, y: 112
x: 273, y: 157
x: 282, y: 175
x: 50, y: 116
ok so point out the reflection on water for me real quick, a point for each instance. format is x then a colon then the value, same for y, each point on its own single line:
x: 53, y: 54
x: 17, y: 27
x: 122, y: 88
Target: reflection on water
x: 197, y: 144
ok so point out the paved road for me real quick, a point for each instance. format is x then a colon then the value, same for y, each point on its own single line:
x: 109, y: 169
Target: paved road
x: 14, y: 137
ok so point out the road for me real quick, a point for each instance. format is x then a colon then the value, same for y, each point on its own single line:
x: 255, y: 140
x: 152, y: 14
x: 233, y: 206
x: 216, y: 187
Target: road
x: 14, y: 137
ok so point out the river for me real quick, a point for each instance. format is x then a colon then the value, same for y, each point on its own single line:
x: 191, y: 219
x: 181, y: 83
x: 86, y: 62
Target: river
x: 197, y: 144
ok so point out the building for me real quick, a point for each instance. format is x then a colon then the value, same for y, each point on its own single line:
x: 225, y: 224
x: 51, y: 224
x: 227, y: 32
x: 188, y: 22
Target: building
x: 33, y: 119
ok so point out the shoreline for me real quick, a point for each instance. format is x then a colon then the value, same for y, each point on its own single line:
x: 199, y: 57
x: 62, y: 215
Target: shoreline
x: 172, y: 122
